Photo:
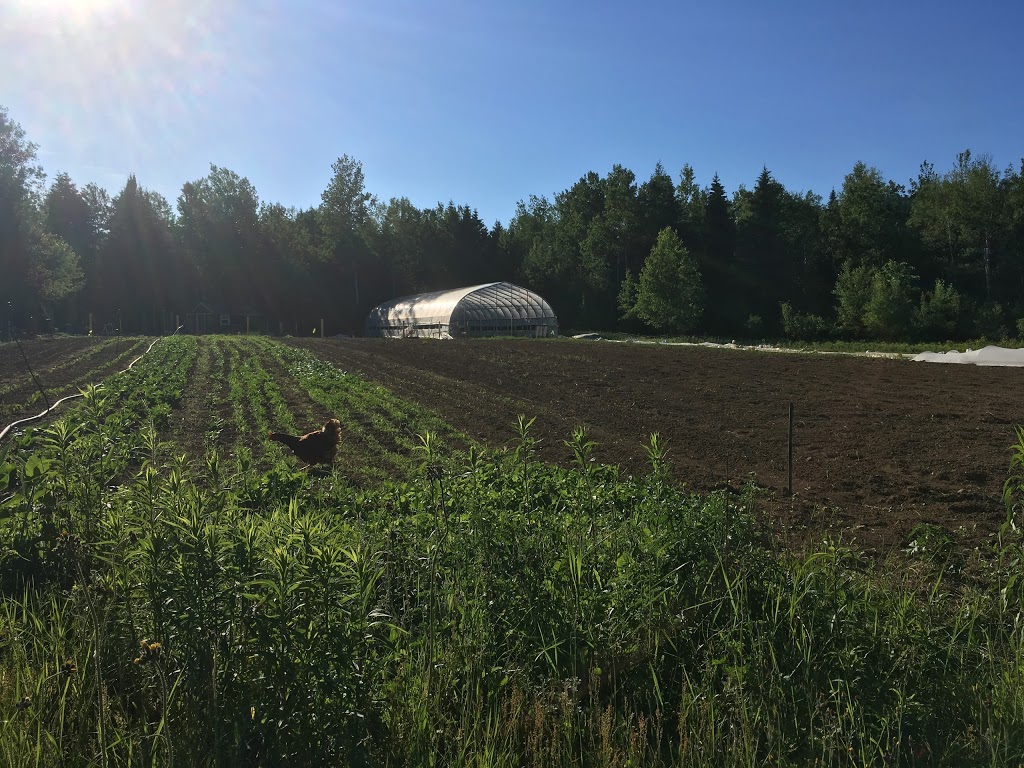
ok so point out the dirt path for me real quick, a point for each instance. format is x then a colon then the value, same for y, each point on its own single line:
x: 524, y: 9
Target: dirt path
x: 880, y: 445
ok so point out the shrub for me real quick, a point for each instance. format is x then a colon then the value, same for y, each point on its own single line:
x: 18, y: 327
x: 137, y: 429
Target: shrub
x: 853, y: 290
x: 889, y: 311
x: 800, y: 326
x: 938, y: 316
x: 989, y: 321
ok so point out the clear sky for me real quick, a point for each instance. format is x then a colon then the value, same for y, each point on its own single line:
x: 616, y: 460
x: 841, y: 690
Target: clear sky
x: 485, y: 103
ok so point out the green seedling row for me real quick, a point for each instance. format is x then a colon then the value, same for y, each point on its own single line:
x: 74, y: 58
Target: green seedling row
x: 209, y: 385
x: 387, y: 442
x: 257, y: 403
x: 362, y: 449
x: 349, y: 394
x: 256, y: 397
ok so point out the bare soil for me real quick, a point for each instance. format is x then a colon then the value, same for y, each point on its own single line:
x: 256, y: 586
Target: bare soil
x: 880, y: 445
x: 62, y: 364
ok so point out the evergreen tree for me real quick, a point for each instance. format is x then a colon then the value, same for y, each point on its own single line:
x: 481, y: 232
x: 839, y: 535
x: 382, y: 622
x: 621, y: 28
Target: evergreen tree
x: 657, y: 208
x: 669, y: 294
x: 691, y: 202
x: 764, y: 272
x: 581, y: 274
x: 69, y: 215
x: 718, y: 262
x: 141, y: 281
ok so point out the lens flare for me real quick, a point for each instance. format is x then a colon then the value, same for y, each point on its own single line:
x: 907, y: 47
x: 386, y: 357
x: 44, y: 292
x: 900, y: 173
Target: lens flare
x: 72, y: 12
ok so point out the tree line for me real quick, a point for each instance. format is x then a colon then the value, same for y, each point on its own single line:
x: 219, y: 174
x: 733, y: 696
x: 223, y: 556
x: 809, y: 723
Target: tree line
x: 941, y: 258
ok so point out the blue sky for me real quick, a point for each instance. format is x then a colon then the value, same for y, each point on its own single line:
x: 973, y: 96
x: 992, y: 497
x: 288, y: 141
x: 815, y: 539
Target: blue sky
x: 486, y: 103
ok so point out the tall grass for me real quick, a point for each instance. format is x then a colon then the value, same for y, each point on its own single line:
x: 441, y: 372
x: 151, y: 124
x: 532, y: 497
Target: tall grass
x: 492, y: 611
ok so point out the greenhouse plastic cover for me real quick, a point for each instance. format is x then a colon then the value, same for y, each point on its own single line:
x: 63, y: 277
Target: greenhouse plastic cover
x: 983, y: 356
x: 478, y: 303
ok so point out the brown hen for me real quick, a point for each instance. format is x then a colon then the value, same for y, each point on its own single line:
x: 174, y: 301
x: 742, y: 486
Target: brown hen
x: 319, y: 447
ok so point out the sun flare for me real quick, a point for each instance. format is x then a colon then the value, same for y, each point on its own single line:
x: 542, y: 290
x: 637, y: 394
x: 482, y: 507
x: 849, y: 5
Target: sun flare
x: 78, y: 12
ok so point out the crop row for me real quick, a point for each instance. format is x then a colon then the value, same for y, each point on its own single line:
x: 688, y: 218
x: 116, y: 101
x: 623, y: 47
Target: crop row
x: 47, y: 365
x: 392, y: 425
x: 69, y: 376
x: 251, y: 385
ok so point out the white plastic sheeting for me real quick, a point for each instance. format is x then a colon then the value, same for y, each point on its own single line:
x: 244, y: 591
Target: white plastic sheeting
x: 983, y: 356
x: 491, y: 309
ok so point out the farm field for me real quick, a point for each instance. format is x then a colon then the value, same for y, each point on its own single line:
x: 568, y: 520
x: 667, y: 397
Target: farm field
x: 241, y: 387
x: 237, y: 389
x: 62, y: 365
x: 174, y: 591
x: 880, y: 445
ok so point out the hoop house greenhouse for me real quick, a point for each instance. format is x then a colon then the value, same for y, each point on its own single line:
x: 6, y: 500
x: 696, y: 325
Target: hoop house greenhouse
x: 492, y: 309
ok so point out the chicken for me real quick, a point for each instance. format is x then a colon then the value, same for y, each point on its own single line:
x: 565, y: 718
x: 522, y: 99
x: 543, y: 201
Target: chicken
x: 319, y: 447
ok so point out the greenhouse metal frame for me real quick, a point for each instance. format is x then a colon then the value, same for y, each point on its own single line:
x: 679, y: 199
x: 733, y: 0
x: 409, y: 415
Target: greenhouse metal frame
x: 490, y: 309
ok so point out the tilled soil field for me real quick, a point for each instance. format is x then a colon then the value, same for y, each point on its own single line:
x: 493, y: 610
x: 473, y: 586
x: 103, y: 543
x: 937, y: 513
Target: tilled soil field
x: 62, y: 365
x: 880, y: 445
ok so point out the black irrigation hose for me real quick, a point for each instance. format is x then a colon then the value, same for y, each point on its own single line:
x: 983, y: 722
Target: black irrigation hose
x: 9, y: 427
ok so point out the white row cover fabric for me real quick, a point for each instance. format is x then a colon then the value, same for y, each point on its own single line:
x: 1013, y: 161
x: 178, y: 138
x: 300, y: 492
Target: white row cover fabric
x: 491, y: 309
x: 984, y: 356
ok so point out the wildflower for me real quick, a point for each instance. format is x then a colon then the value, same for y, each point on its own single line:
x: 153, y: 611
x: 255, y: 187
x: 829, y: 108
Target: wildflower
x: 149, y: 652
x: 252, y: 713
x: 25, y: 703
x: 69, y: 669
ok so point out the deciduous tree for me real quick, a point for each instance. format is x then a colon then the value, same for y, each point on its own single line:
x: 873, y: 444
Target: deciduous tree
x: 21, y: 179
